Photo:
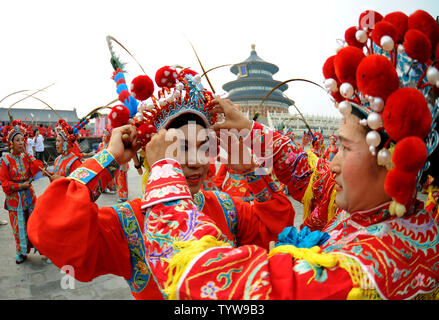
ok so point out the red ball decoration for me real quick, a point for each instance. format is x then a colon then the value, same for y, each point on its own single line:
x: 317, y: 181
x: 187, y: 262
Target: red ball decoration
x: 346, y: 62
x: 350, y: 38
x: 406, y: 113
x: 410, y: 154
x: 381, y: 29
x: 400, y: 22
x: 423, y: 21
x: 368, y: 19
x: 144, y: 132
x: 417, y: 45
x: 377, y: 77
x: 329, y: 70
x: 118, y: 116
x: 400, y: 185
x: 142, y: 87
x: 166, y: 77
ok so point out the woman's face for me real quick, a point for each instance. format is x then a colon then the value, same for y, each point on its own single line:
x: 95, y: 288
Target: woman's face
x: 59, y: 143
x: 194, y: 155
x: 360, y: 181
x: 18, y: 144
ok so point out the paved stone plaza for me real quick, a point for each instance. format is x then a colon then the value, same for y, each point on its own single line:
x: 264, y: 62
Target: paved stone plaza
x: 36, y: 279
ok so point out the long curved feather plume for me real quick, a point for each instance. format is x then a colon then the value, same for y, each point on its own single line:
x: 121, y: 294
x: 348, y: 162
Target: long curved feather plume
x: 113, y: 55
x: 28, y: 96
x: 217, y: 67
x: 291, y: 101
x: 4, y: 98
x: 100, y: 108
x: 202, y: 67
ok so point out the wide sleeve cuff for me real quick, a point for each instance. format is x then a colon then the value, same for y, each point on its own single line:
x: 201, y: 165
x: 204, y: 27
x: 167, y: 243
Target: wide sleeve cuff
x: 260, y: 184
x: 96, y: 173
x: 264, y: 143
x: 166, y: 182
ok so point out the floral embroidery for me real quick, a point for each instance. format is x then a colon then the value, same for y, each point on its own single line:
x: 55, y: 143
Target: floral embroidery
x: 209, y: 290
x: 165, y: 171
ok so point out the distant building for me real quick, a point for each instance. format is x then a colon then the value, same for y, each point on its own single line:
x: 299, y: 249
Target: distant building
x: 328, y: 125
x: 254, y: 81
x: 39, y: 116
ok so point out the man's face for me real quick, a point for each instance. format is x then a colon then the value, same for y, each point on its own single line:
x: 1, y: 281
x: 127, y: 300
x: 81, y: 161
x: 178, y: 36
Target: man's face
x: 360, y: 181
x: 194, y: 155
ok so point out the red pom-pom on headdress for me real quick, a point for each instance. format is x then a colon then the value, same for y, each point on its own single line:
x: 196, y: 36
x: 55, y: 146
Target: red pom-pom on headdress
x: 351, y: 39
x: 142, y: 87
x: 368, y: 19
x: 423, y: 21
x: 118, y: 116
x: 382, y: 29
x: 187, y: 71
x: 400, y: 185
x: 400, y: 22
x: 410, y: 154
x: 346, y: 62
x: 166, y: 77
x: 406, y: 114
x: 417, y: 45
x: 377, y: 77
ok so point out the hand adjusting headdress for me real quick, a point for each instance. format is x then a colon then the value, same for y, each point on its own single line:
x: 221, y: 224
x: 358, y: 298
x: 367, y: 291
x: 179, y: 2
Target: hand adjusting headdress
x: 386, y: 74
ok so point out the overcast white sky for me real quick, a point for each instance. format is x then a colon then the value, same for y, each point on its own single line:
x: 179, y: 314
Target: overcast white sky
x: 64, y: 42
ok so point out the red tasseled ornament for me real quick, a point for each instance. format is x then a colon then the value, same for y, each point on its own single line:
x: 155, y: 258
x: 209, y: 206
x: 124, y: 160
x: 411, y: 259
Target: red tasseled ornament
x: 417, y: 45
x: 166, y: 77
x: 350, y: 38
x: 377, y: 77
x: 346, y: 62
x: 381, y: 29
x: 406, y: 113
x: 423, y: 21
x: 118, y: 116
x: 400, y: 185
x: 142, y: 87
x: 368, y: 19
x: 400, y: 22
x: 410, y: 154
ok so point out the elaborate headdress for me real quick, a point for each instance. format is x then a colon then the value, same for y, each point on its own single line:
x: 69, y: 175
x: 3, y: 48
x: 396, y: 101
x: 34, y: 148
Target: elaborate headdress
x: 333, y: 137
x: 180, y: 92
x: 386, y: 75
x: 10, y: 131
x: 70, y: 136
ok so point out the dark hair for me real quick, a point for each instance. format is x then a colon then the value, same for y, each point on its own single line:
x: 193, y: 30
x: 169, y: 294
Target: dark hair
x: 184, y: 119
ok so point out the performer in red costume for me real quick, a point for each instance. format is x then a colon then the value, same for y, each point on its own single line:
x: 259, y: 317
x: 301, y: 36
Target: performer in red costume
x: 16, y: 173
x: 381, y: 243
x: 110, y: 240
x: 67, y: 161
x: 332, y: 149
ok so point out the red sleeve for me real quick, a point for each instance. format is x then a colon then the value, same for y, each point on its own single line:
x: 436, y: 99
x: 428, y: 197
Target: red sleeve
x: 69, y: 228
x: 261, y: 222
x: 75, y: 165
x: 220, y: 176
x: 35, y: 165
x: 7, y: 185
